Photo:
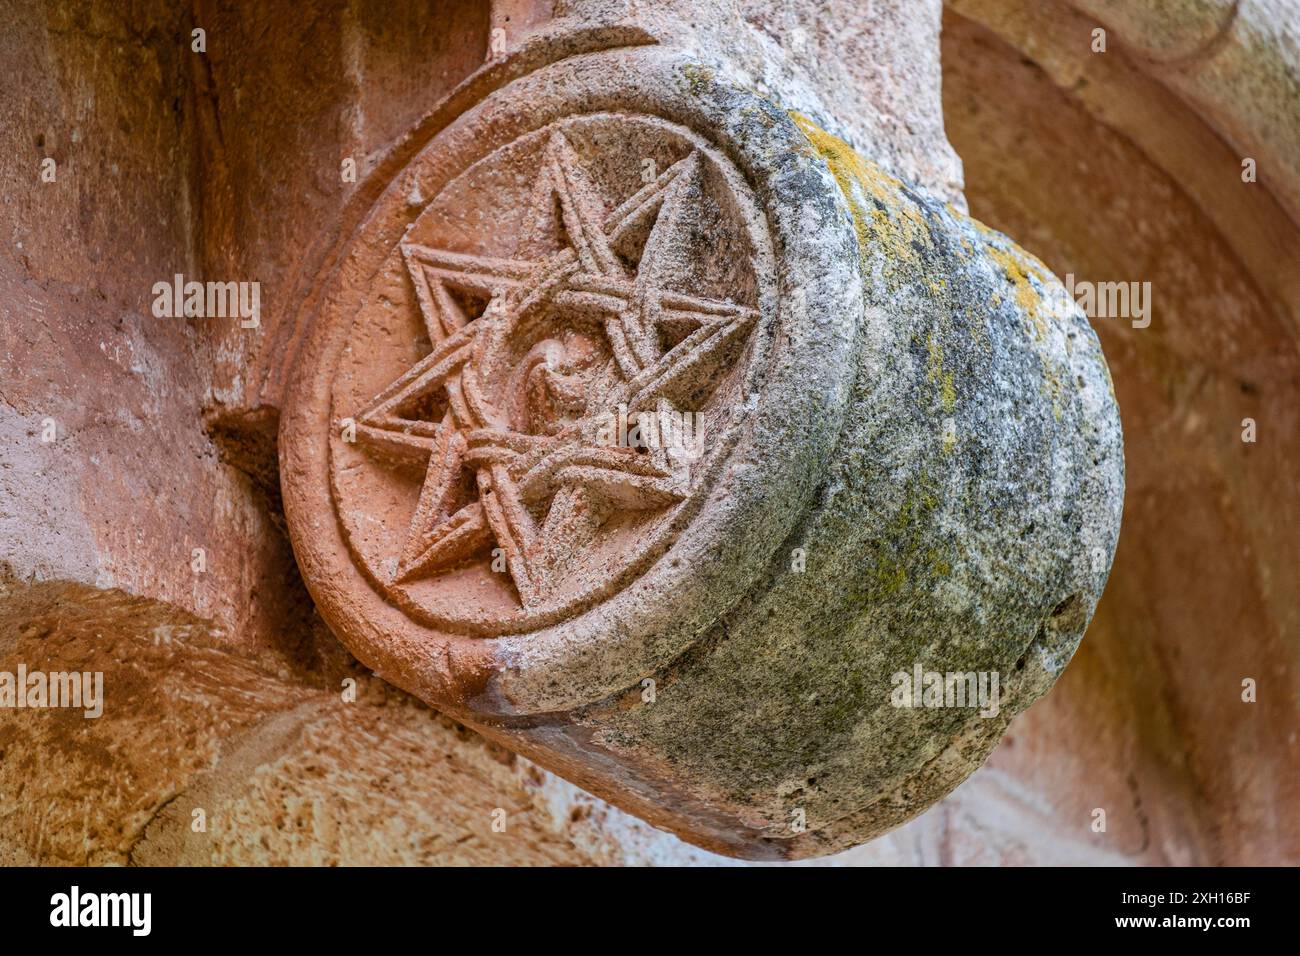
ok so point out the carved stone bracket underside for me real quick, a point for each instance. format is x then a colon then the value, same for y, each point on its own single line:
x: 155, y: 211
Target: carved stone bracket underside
x: 650, y: 430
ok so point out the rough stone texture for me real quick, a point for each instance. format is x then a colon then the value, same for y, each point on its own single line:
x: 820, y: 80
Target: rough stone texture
x: 133, y: 482
x: 1203, y: 592
x: 1166, y: 31
x: 916, y: 405
x: 825, y: 60
x: 273, y: 758
x: 1234, y: 60
x: 105, y: 96
x: 1186, y: 772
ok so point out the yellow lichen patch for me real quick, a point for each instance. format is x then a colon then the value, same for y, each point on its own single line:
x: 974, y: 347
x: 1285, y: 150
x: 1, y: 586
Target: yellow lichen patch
x: 890, y: 224
x: 1019, y: 266
x: 891, y: 576
x: 1017, y: 272
x: 882, y: 215
x: 935, y: 373
x: 698, y: 77
x: 906, y: 530
x: 938, y: 564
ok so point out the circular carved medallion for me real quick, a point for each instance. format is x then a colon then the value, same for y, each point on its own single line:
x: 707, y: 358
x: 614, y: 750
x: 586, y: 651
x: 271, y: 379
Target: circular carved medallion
x: 542, y: 370
x: 532, y: 450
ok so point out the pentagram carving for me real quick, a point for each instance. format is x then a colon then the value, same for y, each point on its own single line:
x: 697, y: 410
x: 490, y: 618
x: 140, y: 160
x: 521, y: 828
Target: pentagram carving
x: 560, y: 403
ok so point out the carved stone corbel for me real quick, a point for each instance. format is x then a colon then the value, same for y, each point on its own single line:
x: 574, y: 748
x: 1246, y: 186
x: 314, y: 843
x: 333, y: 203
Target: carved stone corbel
x: 653, y: 431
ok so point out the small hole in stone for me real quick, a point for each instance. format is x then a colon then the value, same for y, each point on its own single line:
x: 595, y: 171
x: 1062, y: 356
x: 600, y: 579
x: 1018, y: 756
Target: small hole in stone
x: 1020, y: 664
x: 1066, y: 606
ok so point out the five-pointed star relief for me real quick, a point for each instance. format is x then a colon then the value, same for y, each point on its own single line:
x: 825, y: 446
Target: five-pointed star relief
x: 538, y: 482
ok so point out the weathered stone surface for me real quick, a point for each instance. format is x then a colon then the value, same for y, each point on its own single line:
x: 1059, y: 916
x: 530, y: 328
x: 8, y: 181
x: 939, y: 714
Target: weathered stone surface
x: 134, y: 481
x: 170, y: 161
x: 207, y: 757
x: 917, y: 460
x: 1203, y: 593
x: 1235, y: 63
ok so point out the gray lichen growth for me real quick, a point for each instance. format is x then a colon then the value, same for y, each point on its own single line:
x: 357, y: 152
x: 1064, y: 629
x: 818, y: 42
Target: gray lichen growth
x: 966, y: 524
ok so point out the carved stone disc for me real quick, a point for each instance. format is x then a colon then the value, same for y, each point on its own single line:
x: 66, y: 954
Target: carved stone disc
x: 528, y: 454
x: 544, y: 370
